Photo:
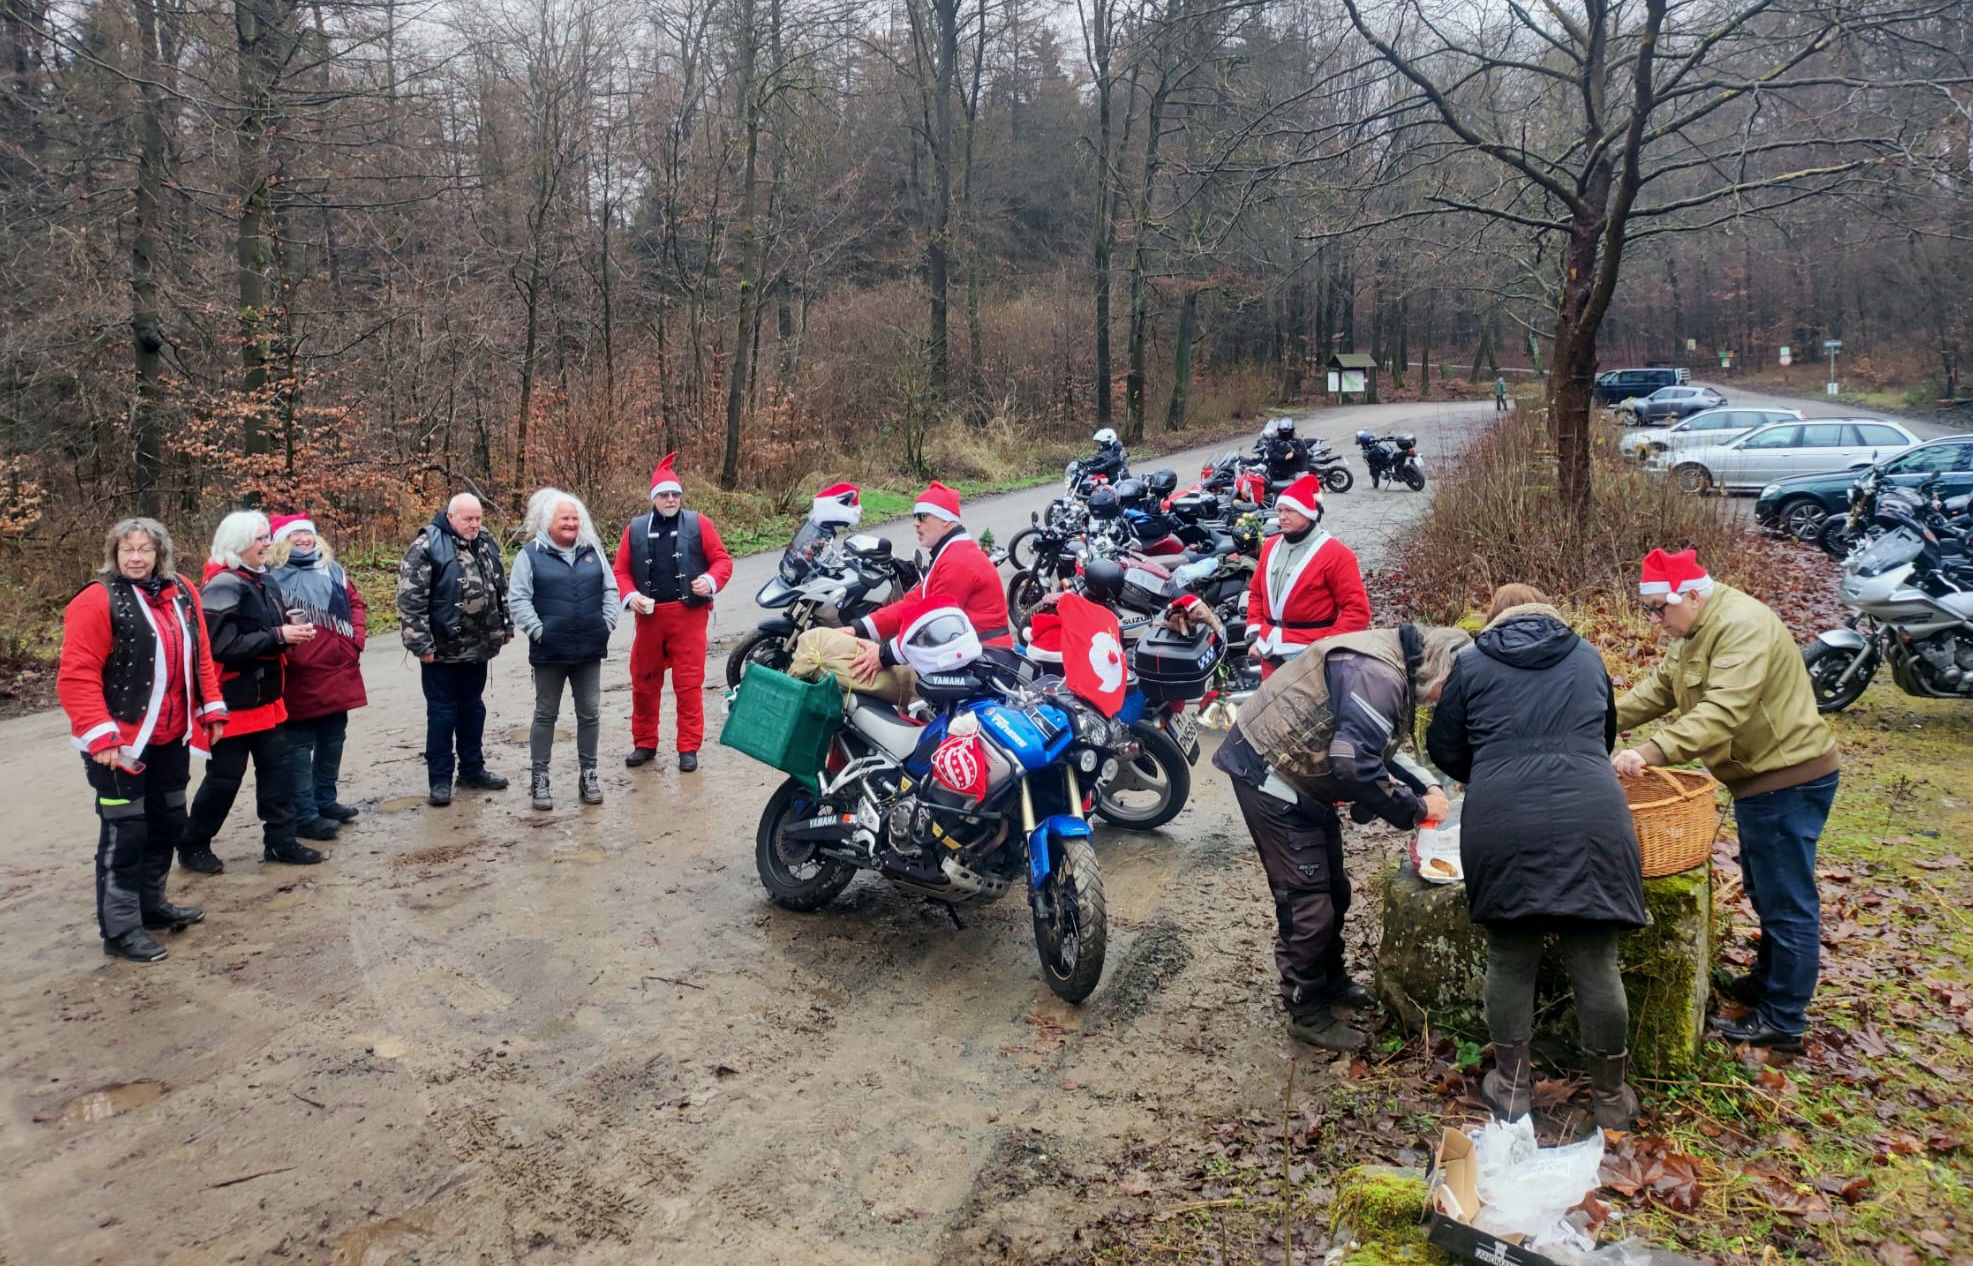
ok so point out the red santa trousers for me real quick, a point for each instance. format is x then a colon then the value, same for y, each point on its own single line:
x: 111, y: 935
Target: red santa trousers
x: 672, y: 638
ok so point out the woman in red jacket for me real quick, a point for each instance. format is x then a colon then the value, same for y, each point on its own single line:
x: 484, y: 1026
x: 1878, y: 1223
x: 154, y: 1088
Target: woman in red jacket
x: 1307, y: 585
x: 138, y: 685
x: 250, y: 636
x: 325, y: 676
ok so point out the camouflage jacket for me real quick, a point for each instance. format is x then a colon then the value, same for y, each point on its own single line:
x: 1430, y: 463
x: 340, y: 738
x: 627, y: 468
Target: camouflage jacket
x: 452, y: 595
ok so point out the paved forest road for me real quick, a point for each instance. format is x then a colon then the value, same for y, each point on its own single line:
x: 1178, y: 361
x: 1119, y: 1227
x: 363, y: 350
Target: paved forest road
x: 485, y: 1034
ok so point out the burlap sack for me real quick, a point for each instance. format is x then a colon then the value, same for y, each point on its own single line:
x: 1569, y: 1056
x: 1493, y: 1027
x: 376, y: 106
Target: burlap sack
x: 823, y: 653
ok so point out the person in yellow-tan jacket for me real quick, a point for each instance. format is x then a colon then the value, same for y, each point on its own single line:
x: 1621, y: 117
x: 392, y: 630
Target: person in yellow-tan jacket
x: 1747, y: 712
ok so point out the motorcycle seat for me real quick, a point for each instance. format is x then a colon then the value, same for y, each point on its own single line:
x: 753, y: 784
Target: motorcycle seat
x: 875, y: 718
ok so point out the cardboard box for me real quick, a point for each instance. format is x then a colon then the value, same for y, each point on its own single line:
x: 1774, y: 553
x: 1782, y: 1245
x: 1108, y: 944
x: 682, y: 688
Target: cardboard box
x: 1456, y: 1199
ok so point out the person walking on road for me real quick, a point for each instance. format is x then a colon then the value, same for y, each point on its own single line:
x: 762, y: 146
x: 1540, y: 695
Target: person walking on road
x: 1500, y: 393
x: 140, y: 689
x: 1746, y: 709
x: 452, y: 601
x: 1527, y: 722
x: 251, y: 634
x: 325, y: 675
x: 1324, y: 729
x: 1307, y: 584
x: 669, y: 565
x: 564, y: 601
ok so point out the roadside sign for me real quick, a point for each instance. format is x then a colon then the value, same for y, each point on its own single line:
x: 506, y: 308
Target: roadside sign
x: 1692, y: 345
x: 1830, y: 388
x: 1832, y: 345
x: 1786, y: 358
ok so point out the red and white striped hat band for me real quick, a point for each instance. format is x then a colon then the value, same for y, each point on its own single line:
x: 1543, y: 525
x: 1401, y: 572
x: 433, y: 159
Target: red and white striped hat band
x: 286, y: 525
x: 938, y: 501
x: 664, y: 478
x: 1045, y: 638
x: 1304, y: 496
x: 1674, y: 575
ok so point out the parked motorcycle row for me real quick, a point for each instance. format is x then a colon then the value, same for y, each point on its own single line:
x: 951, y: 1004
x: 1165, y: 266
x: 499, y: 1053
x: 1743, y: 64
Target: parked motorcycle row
x: 1908, y: 579
x: 991, y: 776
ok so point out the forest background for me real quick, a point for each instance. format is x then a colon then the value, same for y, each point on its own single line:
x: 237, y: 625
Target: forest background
x: 350, y: 256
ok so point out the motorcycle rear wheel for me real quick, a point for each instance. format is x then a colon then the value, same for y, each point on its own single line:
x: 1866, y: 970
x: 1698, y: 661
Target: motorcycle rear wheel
x: 1413, y: 479
x: 758, y: 647
x: 1338, y: 479
x: 1071, y: 925
x: 1834, y: 536
x: 795, y: 874
x: 1826, y: 663
x: 1157, y: 783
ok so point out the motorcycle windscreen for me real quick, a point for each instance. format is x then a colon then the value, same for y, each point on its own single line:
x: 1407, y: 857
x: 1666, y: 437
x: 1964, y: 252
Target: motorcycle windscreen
x: 798, y: 560
x: 1893, y: 549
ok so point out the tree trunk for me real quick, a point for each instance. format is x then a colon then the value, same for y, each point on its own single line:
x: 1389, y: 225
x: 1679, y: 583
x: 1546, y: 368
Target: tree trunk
x: 938, y: 246
x: 258, y: 26
x: 1140, y: 255
x: 146, y: 324
x: 749, y: 302
x: 1105, y: 232
x: 1181, y: 369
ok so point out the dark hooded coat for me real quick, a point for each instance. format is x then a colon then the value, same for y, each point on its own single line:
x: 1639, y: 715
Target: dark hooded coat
x: 1527, y: 721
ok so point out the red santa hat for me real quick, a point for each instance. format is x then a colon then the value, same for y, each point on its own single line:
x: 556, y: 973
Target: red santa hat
x: 938, y: 501
x: 1045, y: 638
x: 1674, y: 575
x: 289, y: 524
x: 664, y: 478
x: 1304, y: 496
x: 838, y: 503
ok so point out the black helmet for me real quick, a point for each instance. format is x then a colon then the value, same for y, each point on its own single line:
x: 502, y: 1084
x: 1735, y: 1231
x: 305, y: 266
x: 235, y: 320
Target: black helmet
x: 1131, y: 493
x: 1103, y: 579
x: 1103, y: 503
x: 1162, y: 483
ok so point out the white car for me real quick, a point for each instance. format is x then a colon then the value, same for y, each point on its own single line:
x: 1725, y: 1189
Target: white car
x: 1782, y: 449
x: 1714, y: 426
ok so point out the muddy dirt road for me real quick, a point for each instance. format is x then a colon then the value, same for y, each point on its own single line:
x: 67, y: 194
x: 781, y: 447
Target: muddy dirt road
x: 486, y: 1034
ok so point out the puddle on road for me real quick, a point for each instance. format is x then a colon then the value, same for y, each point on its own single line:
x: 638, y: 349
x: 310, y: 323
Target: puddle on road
x: 398, y: 804
x: 382, y: 1243
x: 108, y: 1101
x: 582, y: 857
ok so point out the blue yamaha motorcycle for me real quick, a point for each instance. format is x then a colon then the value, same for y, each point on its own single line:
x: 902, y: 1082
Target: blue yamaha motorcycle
x: 994, y: 790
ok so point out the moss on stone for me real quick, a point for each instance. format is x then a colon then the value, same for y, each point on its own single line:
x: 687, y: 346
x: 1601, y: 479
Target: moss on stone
x: 1379, y: 1207
x: 1667, y: 969
x: 1432, y: 961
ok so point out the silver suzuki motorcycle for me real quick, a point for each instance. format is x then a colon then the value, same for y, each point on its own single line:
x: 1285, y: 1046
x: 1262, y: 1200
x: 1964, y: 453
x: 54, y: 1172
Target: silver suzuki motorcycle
x: 1913, y: 598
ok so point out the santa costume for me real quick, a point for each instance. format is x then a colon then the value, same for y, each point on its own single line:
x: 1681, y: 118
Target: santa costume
x: 1307, y: 586
x: 660, y: 556
x: 958, y: 567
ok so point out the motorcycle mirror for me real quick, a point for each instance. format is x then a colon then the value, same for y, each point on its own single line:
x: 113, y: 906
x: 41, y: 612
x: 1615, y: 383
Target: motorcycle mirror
x: 1034, y: 516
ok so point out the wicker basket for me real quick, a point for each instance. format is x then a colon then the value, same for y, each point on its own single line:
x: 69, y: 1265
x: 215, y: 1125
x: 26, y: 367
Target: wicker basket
x: 1677, y: 817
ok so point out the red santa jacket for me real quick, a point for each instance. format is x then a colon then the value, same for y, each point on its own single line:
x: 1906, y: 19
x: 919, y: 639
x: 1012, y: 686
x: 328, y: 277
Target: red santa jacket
x: 959, y: 567
x: 1322, y: 597
x: 705, y: 554
x: 165, y: 676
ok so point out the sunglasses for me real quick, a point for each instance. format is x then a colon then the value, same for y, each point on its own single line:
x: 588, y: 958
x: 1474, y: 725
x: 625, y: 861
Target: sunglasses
x: 920, y: 518
x: 669, y: 496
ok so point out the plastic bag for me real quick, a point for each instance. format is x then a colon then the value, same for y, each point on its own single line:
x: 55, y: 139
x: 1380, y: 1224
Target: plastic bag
x: 1435, y: 850
x: 1528, y: 1189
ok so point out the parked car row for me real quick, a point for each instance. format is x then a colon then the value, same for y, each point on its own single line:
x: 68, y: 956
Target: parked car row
x: 1783, y: 449
x: 1614, y: 386
x: 1714, y: 426
x: 1798, y: 505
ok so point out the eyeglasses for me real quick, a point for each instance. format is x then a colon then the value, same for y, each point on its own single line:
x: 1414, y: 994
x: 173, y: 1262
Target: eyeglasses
x: 669, y: 496
x: 1654, y: 610
x: 138, y: 549
x: 920, y: 517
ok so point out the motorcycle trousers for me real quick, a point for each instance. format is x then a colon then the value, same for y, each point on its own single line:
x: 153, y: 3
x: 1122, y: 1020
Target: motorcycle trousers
x: 143, y: 818
x: 670, y: 639
x: 1301, y: 849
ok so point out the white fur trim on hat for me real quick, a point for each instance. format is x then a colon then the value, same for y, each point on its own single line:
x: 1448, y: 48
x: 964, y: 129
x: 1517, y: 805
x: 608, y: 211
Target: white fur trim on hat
x: 936, y: 510
x: 297, y: 525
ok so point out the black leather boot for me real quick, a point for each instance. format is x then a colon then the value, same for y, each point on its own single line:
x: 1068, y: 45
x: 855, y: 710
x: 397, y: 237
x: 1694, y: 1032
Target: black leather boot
x: 337, y: 812
x: 165, y: 916
x: 1610, y: 1096
x: 484, y: 780
x: 323, y: 828
x: 1509, y: 1088
x: 640, y: 756
x: 201, y: 858
x: 135, y: 945
x: 292, y: 852
x: 688, y: 762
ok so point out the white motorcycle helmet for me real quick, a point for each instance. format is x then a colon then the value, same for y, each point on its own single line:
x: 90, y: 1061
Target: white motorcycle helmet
x: 937, y: 637
x: 1105, y: 436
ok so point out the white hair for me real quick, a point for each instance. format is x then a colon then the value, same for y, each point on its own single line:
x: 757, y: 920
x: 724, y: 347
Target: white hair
x: 541, y: 511
x: 237, y: 531
x: 460, y: 500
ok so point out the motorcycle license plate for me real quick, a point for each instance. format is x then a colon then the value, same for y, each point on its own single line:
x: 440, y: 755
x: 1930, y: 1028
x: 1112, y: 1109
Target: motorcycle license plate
x: 1185, y: 733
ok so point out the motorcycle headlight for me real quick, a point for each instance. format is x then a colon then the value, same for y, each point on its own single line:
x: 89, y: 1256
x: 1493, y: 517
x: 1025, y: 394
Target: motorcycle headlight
x: 1087, y: 761
x: 1110, y: 769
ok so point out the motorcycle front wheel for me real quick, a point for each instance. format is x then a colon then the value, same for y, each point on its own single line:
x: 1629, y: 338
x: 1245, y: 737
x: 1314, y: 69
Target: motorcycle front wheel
x: 1150, y: 790
x: 1025, y: 591
x: 1834, y: 537
x: 1338, y: 479
x: 1071, y: 926
x: 758, y: 647
x: 1413, y: 477
x: 1020, y: 550
x: 794, y: 872
x: 1827, y: 664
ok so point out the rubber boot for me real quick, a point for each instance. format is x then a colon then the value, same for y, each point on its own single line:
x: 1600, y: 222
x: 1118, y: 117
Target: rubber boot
x: 1509, y: 1088
x: 1610, y: 1096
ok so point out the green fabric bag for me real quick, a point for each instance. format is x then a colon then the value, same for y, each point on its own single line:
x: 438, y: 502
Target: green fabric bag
x: 783, y: 722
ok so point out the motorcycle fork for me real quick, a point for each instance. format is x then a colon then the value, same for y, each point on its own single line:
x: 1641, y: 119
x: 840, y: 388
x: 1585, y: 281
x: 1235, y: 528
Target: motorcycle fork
x: 1865, y: 662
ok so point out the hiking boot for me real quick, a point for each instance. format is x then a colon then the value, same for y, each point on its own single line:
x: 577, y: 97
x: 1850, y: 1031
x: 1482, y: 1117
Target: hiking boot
x: 336, y: 812
x: 1754, y: 1031
x: 1327, y: 1032
x: 135, y: 945
x: 1354, y: 996
x: 640, y: 756
x: 1745, y: 990
x: 687, y: 762
x: 538, y: 789
x: 590, y: 786
x: 290, y: 853
x: 171, y: 917
x: 1509, y: 1089
x: 441, y: 794
x: 482, y: 781
x: 201, y: 858
x: 318, y: 829
x: 1610, y: 1096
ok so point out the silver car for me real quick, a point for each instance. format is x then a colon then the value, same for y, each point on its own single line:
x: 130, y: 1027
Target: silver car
x: 1714, y: 426
x: 1782, y: 449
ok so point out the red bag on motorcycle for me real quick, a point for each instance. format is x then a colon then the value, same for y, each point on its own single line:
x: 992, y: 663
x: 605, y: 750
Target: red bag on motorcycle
x: 1092, y: 653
